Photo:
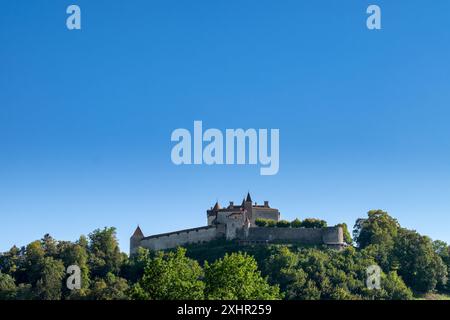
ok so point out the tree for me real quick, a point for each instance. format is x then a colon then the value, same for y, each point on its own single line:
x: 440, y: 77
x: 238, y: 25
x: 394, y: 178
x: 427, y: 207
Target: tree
x: 11, y: 261
x: 283, y: 224
x: 393, y: 288
x: 314, y: 223
x: 443, y: 250
x: 170, y: 276
x: 378, y: 228
x: 271, y: 223
x: 134, y: 268
x: 33, y: 260
x: 7, y: 287
x: 296, y: 223
x: 111, y: 287
x: 419, y: 265
x: 75, y: 254
x: 236, y: 277
x: 49, y: 245
x: 49, y: 286
x: 105, y: 256
x: 261, y: 222
x: 347, y: 237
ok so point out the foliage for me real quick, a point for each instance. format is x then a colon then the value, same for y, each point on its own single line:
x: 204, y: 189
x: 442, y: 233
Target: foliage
x: 105, y: 256
x: 347, y: 237
x: 409, y: 261
x: 313, y: 223
x: 296, y: 223
x: 419, y: 265
x: 443, y: 250
x: 378, y: 229
x: 307, y: 223
x: 49, y: 286
x: 111, y: 287
x: 283, y: 224
x: 7, y: 287
x: 170, y: 276
x: 236, y: 277
x: 261, y: 222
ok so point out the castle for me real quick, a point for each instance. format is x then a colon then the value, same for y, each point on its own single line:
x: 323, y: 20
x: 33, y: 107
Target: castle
x: 237, y: 223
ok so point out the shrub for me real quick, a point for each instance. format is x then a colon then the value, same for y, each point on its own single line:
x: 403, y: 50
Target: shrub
x: 314, y: 223
x: 271, y: 223
x: 261, y: 222
x: 283, y: 224
x: 296, y: 223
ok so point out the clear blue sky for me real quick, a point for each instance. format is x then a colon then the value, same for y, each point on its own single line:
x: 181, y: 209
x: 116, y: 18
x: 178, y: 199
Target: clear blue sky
x: 86, y: 116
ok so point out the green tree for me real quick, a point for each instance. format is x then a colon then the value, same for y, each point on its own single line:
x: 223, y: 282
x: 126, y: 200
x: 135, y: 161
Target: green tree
x: 347, y: 237
x: 52, y: 273
x: 111, y: 287
x: 443, y: 250
x: 75, y: 254
x: 7, y: 287
x: 283, y: 224
x: 261, y: 222
x: 236, y: 276
x: 419, y: 265
x: 11, y: 261
x: 104, y: 253
x: 170, y: 276
x: 393, y: 288
x: 271, y: 223
x: 296, y: 223
x: 313, y: 223
x: 32, y: 264
x: 49, y: 245
x: 134, y: 268
x: 379, y: 228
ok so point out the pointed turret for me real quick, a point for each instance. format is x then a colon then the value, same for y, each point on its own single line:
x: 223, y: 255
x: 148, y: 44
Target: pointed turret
x: 249, y: 198
x: 138, y: 234
x: 135, y: 240
x: 216, y: 206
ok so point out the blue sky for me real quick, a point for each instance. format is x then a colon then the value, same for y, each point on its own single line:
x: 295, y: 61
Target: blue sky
x: 86, y: 116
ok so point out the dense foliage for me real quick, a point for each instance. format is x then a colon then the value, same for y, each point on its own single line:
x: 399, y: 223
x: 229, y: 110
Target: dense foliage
x: 411, y: 265
x: 307, y: 223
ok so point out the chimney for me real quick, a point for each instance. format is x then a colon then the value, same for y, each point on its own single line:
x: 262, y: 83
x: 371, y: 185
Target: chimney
x: 231, y: 203
x: 266, y: 204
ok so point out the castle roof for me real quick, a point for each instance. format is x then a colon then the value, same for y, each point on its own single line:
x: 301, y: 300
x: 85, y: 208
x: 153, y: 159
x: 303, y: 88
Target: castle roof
x: 217, y: 206
x: 249, y: 199
x: 138, y: 233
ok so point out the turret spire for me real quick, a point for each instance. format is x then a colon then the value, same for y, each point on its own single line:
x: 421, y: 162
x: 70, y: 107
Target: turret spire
x: 138, y: 233
x: 216, y: 206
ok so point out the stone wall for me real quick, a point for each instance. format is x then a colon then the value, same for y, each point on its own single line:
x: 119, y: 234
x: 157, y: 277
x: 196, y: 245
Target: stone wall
x: 179, y: 238
x: 332, y: 235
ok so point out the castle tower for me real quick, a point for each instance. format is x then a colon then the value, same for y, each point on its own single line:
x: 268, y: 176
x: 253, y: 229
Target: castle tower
x: 135, y: 240
x: 217, y: 206
x: 248, y: 207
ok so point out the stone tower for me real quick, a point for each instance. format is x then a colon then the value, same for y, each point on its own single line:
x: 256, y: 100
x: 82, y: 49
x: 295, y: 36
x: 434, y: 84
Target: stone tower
x: 248, y: 207
x: 135, y: 240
